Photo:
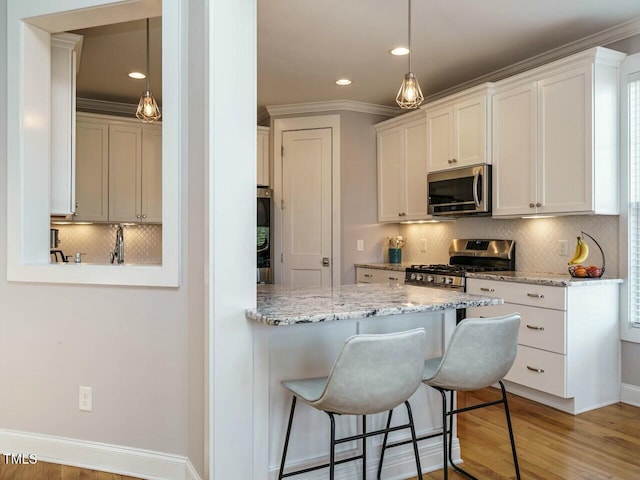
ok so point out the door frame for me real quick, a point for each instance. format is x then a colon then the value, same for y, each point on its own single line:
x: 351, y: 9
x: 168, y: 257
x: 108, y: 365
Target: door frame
x: 281, y: 125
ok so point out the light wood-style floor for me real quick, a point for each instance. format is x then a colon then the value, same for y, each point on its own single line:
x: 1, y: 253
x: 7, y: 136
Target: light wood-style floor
x: 552, y: 445
x: 603, y: 444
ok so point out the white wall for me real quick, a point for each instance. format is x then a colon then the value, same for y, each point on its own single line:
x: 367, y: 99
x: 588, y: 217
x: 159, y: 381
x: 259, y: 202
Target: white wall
x: 141, y: 349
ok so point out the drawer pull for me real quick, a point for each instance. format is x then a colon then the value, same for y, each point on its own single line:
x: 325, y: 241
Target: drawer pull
x: 535, y: 295
x: 484, y: 289
x: 533, y: 327
x: 368, y: 275
x: 537, y: 370
x: 393, y: 278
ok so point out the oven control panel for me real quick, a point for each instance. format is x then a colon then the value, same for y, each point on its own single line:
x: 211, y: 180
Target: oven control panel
x: 426, y: 279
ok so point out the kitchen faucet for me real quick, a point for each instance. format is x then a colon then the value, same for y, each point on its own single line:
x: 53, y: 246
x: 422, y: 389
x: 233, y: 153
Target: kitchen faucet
x: 118, y: 251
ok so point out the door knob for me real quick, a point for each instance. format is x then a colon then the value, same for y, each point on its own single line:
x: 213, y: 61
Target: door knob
x: 325, y: 261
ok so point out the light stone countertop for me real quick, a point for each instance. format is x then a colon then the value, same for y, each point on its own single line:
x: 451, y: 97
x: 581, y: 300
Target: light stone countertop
x: 396, y: 267
x: 277, y: 305
x: 536, y: 278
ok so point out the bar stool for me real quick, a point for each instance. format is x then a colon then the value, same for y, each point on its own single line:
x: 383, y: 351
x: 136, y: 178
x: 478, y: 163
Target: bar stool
x: 372, y: 374
x: 480, y: 353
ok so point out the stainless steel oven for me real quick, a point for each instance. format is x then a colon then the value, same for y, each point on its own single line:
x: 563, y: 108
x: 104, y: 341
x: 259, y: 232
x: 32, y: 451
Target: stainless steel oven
x: 460, y: 191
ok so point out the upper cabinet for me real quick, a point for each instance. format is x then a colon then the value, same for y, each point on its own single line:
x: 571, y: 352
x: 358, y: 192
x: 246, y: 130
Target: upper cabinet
x: 555, y: 138
x: 458, y: 132
x: 402, y: 168
x: 119, y: 164
x: 262, y: 150
x: 65, y: 51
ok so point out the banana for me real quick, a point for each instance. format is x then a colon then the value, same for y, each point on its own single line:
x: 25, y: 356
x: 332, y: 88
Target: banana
x: 581, y: 253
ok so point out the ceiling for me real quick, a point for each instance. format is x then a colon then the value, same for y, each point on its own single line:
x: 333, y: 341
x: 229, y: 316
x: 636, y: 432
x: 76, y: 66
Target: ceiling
x: 305, y: 45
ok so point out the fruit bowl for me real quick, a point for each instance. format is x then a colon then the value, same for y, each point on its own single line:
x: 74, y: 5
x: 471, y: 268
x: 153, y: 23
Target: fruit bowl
x: 580, y: 271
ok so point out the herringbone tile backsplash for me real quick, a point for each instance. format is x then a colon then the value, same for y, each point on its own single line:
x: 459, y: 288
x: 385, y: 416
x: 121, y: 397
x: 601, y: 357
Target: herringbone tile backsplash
x: 536, y: 240
x: 142, y: 243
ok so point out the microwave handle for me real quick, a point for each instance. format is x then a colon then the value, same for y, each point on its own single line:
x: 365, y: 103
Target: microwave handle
x: 476, y: 178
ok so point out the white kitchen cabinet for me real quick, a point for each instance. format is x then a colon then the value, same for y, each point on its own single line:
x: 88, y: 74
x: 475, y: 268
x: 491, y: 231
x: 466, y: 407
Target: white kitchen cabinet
x: 376, y: 275
x: 65, y: 50
x: 92, y: 170
x: 458, y: 132
x: 119, y: 170
x: 568, y: 346
x: 402, y: 169
x: 555, y: 138
x: 262, y: 150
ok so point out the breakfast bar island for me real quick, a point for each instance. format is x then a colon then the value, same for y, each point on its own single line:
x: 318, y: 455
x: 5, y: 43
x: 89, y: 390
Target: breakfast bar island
x: 299, y: 333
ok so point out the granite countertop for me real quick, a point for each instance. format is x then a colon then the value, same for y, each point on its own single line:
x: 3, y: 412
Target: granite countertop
x: 536, y: 278
x: 396, y: 267
x: 279, y: 305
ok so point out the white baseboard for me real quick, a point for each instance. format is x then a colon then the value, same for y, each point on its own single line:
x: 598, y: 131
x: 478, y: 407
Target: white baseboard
x: 116, y: 459
x: 630, y: 394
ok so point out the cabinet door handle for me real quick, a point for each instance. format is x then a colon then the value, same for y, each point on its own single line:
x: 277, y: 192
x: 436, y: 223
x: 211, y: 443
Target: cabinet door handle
x: 368, y: 275
x: 137, y: 216
x: 533, y: 327
x: 393, y: 278
x: 537, y: 370
x: 538, y: 204
x: 532, y: 205
x: 144, y: 216
x: 453, y: 160
x: 484, y: 289
x: 449, y: 162
x: 535, y: 295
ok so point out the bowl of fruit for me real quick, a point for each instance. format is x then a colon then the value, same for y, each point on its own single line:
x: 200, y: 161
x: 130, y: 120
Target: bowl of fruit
x: 576, y: 267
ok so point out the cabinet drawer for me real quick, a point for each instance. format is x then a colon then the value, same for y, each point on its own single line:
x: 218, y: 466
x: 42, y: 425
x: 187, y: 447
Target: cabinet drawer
x: 520, y: 293
x: 539, y: 327
x: 541, y: 370
x: 374, y: 275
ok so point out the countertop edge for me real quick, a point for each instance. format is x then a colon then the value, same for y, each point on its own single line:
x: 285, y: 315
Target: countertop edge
x: 552, y: 280
x: 395, y: 267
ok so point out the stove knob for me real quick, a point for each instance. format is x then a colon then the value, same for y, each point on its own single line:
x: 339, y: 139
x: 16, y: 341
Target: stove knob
x: 431, y: 279
x: 413, y: 276
x: 448, y: 281
x: 418, y: 277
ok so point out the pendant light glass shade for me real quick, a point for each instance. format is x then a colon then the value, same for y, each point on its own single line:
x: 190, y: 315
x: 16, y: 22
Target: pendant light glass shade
x: 410, y: 95
x: 148, y: 110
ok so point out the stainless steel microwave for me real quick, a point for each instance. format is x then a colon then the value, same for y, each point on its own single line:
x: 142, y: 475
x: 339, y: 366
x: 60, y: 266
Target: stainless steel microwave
x: 460, y: 191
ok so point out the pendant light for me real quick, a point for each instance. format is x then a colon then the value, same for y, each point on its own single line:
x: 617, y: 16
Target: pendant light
x: 409, y: 96
x: 148, y: 110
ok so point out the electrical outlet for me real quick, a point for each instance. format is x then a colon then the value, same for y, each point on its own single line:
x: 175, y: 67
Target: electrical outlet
x: 85, y: 399
x: 563, y: 248
x: 360, y: 245
x: 423, y: 245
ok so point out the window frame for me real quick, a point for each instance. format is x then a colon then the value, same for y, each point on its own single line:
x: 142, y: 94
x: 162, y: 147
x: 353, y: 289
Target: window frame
x: 628, y: 332
x: 29, y: 25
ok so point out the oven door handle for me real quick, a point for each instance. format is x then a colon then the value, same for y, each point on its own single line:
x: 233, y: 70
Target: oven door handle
x: 476, y: 179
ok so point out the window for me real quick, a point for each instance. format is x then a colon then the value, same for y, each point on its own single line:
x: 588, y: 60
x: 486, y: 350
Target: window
x: 630, y: 191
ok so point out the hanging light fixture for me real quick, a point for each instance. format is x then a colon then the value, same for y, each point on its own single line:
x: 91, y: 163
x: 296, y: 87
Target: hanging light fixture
x: 409, y: 96
x: 148, y: 110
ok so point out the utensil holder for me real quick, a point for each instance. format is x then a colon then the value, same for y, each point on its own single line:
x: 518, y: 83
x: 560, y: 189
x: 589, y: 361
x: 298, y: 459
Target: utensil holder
x: 395, y: 255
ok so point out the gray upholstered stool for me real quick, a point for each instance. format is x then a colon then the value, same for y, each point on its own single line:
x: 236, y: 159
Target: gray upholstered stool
x: 373, y: 374
x: 480, y: 353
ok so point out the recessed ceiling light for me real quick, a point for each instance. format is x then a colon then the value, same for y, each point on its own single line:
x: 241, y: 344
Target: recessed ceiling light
x: 343, y: 81
x: 399, y: 51
x: 137, y: 75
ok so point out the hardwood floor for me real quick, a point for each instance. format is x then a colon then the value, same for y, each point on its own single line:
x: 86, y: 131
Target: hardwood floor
x: 552, y: 445
x: 602, y: 444
x: 52, y: 471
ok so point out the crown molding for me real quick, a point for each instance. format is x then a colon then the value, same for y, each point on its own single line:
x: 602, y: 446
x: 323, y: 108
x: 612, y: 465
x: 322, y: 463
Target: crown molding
x: 604, y: 37
x: 331, y: 105
x: 108, y: 108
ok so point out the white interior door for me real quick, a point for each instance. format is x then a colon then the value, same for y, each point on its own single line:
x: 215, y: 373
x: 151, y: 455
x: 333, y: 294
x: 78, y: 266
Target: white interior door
x: 306, y: 207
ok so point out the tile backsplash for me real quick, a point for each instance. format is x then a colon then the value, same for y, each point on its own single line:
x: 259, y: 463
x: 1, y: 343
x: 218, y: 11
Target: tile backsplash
x: 537, y: 240
x: 142, y: 243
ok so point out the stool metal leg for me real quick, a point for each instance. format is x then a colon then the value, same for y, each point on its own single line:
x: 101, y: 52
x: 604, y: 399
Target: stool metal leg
x: 384, y: 444
x: 286, y: 439
x: 332, y: 453
x: 364, y: 447
x: 445, y: 464
x: 415, y: 440
x: 511, y: 438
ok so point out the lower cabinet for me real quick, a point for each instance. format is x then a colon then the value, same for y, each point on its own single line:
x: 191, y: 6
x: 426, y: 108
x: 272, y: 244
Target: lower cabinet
x: 568, y: 344
x: 376, y: 275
